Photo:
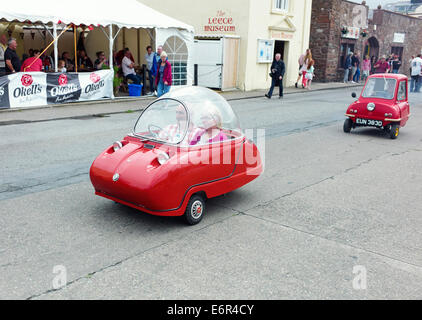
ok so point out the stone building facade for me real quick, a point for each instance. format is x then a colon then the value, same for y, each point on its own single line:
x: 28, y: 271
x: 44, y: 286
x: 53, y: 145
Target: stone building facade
x: 264, y: 28
x: 339, y: 27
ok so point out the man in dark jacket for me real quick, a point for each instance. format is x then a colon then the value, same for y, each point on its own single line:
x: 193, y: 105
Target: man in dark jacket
x: 277, y: 73
x: 347, y: 67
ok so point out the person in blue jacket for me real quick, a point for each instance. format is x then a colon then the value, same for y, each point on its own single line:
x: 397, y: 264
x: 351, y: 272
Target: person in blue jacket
x: 347, y: 67
x: 157, y: 57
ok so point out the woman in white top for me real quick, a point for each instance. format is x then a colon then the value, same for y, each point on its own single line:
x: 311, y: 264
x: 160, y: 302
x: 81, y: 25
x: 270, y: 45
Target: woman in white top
x: 306, y: 60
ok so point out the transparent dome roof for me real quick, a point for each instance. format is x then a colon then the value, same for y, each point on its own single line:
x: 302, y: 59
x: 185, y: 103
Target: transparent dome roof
x: 190, y: 115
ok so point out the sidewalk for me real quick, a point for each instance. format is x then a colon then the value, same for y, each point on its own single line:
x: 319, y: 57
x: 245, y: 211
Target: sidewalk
x: 123, y: 105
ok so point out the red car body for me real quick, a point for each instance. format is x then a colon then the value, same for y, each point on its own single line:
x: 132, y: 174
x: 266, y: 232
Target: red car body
x: 133, y: 175
x: 383, y: 105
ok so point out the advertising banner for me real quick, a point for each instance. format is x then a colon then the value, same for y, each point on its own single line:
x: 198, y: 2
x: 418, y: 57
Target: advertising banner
x: 63, y: 88
x: 96, y: 85
x: 29, y: 89
x: 4, y: 93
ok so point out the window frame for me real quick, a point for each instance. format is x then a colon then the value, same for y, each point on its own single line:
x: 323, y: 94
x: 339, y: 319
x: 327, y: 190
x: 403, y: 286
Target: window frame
x: 282, y: 9
x: 178, y: 61
x: 405, y: 91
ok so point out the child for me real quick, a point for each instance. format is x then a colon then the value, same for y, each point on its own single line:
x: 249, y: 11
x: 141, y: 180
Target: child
x: 366, y: 68
x: 309, y: 74
x: 62, y: 66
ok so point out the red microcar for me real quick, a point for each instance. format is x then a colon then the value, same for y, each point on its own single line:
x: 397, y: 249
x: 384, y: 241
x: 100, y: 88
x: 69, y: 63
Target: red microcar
x: 383, y: 104
x: 186, y: 147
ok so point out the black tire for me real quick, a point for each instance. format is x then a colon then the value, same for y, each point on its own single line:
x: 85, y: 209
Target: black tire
x: 348, y: 124
x: 192, y: 216
x: 395, y: 130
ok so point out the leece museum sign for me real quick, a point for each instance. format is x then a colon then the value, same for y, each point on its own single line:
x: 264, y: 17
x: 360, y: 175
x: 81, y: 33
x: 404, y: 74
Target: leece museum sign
x: 220, y: 23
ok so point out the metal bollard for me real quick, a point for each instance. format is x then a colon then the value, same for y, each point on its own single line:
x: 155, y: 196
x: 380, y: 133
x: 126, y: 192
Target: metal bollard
x: 195, y: 75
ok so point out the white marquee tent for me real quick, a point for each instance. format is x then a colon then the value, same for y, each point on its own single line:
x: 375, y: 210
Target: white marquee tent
x: 126, y: 13
x: 105, y: 14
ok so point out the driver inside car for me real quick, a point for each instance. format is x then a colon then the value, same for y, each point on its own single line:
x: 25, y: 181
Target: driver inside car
x: 390, y: 90
x: 173, y: 133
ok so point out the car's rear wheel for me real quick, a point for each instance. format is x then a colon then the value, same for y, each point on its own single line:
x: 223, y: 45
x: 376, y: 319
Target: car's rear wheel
x: 195, y: 209
x: 348, y: 124
x: 395, y: 130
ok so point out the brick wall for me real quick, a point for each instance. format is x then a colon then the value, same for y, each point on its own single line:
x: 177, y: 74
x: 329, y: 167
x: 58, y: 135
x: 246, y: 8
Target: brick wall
x: 328, y: 18
x: 387, y: 23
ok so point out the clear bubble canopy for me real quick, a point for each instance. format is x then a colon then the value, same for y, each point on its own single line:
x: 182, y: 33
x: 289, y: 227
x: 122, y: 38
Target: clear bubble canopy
x: 189, y: 116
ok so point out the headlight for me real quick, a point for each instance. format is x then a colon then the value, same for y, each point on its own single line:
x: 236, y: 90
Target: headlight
x: 371, y: 106
x: 163, y: 157
x: 117, y: 146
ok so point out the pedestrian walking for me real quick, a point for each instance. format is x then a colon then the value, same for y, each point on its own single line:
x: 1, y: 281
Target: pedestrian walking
x: 150, y: 57
x: 347, y: 67
x: 396, y: 64
x: 155, y: 61
x: 390, y: 59
x: 382, y: 66
x: 416, y: 80
x: 278, y: 69
x: 307, y: 56
x: 410, y: 64
x: 373, y: 61
x: 163, y: 78
x: 366, y: 68
x: 355, y: 67
x: 309, y: 74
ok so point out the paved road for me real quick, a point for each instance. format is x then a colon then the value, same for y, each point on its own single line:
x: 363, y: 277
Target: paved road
x: 328, y: 204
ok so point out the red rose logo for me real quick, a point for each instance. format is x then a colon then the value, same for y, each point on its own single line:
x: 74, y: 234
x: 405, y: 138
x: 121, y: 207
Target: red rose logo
x: 62, y: 80
x: 26, y: 80
x: 95, y: 77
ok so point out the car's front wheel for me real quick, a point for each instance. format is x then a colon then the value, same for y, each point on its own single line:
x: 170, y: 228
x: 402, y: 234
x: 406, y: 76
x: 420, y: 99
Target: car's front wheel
x: 395, y: 130
x: 195, y: 209
x: 348, y: 124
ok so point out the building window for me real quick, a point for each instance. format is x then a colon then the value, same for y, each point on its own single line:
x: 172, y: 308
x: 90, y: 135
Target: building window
x: 345, y: 49
x: 177, y: 55
x: 281, y: 5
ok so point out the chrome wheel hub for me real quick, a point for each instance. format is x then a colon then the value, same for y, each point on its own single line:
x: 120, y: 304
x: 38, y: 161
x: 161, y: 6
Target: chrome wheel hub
x: 197, y: 209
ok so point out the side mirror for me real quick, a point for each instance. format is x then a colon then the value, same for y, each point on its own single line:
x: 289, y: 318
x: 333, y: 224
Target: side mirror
x: 353, y: 94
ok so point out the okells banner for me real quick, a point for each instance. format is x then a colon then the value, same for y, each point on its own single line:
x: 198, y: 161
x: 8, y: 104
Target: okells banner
x: 38, y: 89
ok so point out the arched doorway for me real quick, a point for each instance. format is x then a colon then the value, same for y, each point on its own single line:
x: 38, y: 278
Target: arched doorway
x: 372, y: 49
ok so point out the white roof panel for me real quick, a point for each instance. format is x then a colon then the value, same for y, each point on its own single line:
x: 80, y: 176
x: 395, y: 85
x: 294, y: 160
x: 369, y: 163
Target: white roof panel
x: 125, y: 13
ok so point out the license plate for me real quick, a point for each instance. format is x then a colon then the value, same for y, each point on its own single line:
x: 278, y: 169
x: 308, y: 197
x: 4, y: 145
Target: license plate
x: 369, y: 122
